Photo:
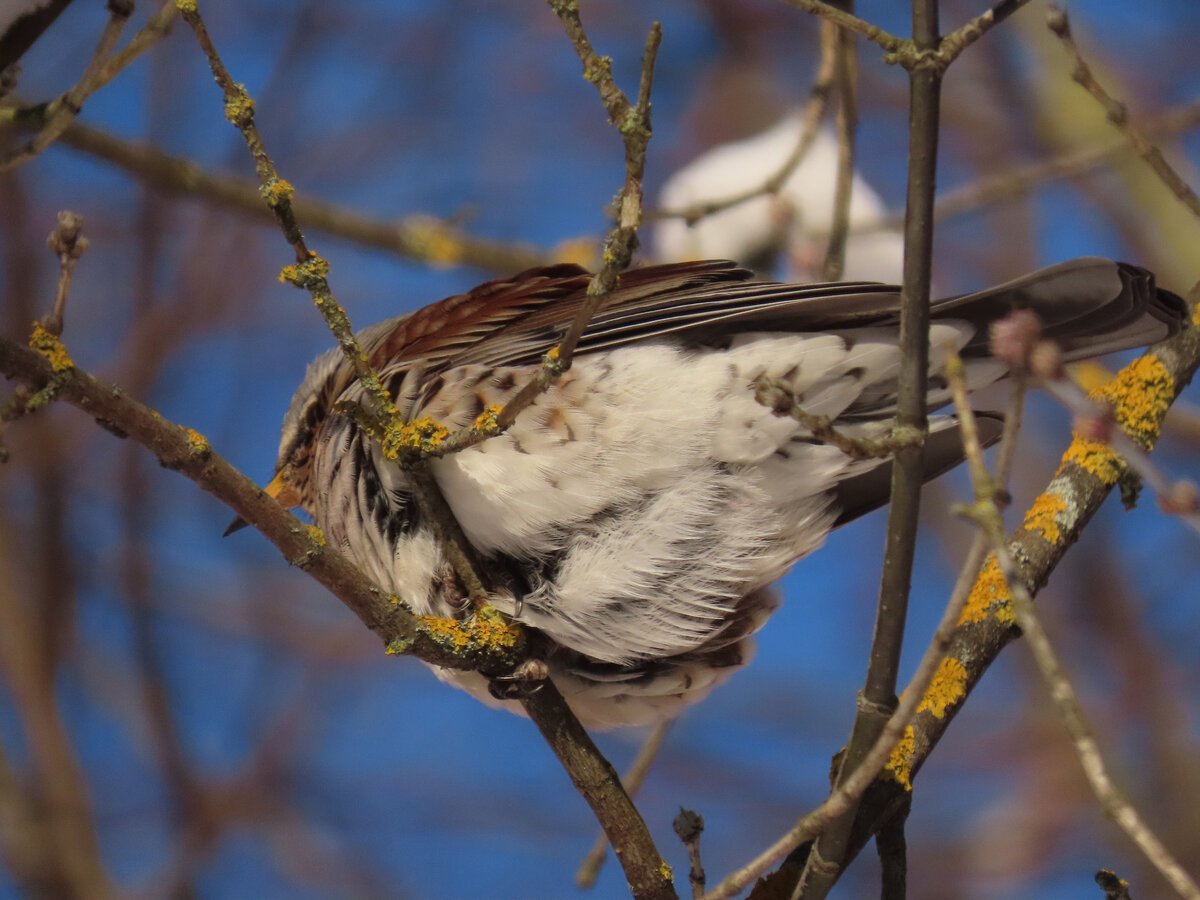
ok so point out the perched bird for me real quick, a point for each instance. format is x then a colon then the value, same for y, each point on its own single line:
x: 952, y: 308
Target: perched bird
x: 793, y: 224
x: 635, y: 516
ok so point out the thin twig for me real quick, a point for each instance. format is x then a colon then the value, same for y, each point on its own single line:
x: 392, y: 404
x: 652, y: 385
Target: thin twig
x: 877, y: 700
x: 24, y: 29
x: 633, y: 123
x: 1112, y: 801
x: 893, y: 856
x: 851, y: 22
x: 775, y: 394
x: 632, y: 780
x: 688, y: 827
x: 68, y: 242
x: 310, y: 270
x: 846, y: 124
x: 814, y: 110
x: 1022, y: 179
x: 55, y: 116
x: 1118, y: 114
x: 964, y: 36
x: 417, y: 236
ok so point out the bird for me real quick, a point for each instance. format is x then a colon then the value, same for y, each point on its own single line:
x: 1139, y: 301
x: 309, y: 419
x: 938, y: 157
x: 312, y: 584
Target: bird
x: 635, y: 516
x: 793, y: 224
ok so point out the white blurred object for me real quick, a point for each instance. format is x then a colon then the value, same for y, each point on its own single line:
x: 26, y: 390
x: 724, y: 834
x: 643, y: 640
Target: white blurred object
x: 794, y: 223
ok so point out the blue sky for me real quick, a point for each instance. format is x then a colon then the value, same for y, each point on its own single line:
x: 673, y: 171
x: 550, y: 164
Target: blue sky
x: 477, y: 111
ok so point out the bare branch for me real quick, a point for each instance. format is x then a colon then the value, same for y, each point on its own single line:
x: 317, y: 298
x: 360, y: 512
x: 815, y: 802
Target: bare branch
x: 1118, y: 114
x: 54, y: 117
x: 851, y: 22
x: 417, y: 236
x: 632, y: 780
x: 847, y: 128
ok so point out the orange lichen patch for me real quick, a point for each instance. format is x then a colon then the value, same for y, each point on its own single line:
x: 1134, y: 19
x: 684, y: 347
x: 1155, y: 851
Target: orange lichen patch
x: 423, y: 435
x: 493, y: 629
x: 277, y: 191
x: 1196, y: 315
x: 1141, y: 394
x: 445, y: 631
x: 1095, y: 457
x: 488, y: 628
x: 50, y: 347
x: 485, y: 422
x: 239, y: 109
x: 990, y: 594
x: 947, y: 688
x: 198, y: 444
x: 1042, y: 517
x: 899, y: 765
x: 306, y: 274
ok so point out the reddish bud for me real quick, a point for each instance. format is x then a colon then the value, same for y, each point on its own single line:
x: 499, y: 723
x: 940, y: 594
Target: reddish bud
x: 1014, y: 336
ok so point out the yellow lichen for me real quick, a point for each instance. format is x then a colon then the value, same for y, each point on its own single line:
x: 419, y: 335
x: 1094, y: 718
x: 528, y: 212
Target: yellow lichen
x: 485, y: 423
x: 423, y: 435
x: 488, y: 628
x: 1141, y: 394
x: 1196, y: 315
x: 899, y: 765
x: 446, y: 631
x: 990, y: 594
x: 1042, y: 517
x: 491, y: 628
x: 1095, y: 457
x: 49, y: 346
x: 239, y: 109
x: 947, y: 688
x: 277, y: 191
x: 317, y: 536
x: 197, y: 443
x: 306, y: 274
x: 187, y: 7
x: 665, y: 870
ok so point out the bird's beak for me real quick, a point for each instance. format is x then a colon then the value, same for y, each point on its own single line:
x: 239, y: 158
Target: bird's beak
x: 281, y: 490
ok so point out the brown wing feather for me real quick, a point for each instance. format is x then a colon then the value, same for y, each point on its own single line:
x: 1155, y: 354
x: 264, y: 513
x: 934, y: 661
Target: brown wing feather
x: 1090, y: 305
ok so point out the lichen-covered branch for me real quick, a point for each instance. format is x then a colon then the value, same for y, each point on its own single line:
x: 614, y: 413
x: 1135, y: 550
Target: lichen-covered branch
x: 484, y: 642
x: 1142, y: 393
